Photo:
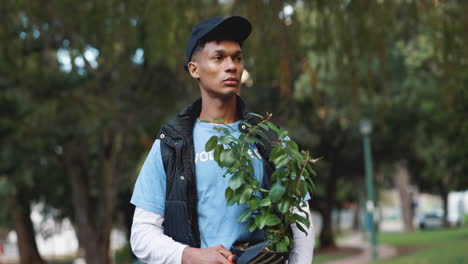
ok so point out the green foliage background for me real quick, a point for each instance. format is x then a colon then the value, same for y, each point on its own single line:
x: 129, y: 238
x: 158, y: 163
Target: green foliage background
x: 319, y: 69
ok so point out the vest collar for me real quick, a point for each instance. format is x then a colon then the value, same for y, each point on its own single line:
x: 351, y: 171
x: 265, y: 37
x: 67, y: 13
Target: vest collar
x: 183, y: 123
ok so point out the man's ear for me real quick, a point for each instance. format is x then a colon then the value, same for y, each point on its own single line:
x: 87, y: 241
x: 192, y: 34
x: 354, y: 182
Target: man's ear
x: 193, y: 69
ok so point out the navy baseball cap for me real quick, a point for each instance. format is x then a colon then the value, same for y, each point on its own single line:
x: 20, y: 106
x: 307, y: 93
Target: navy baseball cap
x: 235, y: 27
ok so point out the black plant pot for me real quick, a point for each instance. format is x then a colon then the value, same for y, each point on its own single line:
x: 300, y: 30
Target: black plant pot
x: 264, y: 257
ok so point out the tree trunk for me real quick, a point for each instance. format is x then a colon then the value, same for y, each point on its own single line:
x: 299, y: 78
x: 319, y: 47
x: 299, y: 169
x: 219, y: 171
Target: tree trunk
x: 356, y: 216
x: 97, y: 252
x: 90, y: 237
x: 338, y: 219
x: 402, y: 185
x: 128, y: 212
x: 3, y: 236
x: 444, y: 193
x: 25, y: 231
x: 93, y: 213
x: 327, y: 239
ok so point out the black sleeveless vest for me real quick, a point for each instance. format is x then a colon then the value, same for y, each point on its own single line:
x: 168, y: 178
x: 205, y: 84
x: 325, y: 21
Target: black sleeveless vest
x: 177, y: 151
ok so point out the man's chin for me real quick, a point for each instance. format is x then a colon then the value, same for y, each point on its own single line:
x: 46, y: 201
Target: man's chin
x: 225, y: 93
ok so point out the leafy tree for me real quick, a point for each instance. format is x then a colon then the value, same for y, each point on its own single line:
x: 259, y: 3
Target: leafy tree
x: 394, y: 73
x: 83, y: 115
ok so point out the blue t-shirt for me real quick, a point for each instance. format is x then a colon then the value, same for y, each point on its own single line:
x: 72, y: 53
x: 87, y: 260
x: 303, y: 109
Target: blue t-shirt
x: 217, y: 222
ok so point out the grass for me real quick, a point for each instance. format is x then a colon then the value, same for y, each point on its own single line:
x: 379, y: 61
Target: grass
x: 437, y: 246
x: 321, y: 256
x: 324, y: 258
x: 423, y: 238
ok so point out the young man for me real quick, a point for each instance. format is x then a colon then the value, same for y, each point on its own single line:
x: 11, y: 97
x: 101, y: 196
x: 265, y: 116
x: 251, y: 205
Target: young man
x: 181, y: 214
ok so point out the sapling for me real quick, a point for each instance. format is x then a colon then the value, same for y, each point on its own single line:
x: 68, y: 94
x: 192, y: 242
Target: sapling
x: 266, y: 208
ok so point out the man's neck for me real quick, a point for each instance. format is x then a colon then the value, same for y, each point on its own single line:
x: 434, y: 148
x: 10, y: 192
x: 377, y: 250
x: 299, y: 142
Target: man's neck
x: 226, y: 109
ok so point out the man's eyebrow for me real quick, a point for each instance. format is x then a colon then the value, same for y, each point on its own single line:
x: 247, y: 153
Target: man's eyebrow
x: 223, y: 52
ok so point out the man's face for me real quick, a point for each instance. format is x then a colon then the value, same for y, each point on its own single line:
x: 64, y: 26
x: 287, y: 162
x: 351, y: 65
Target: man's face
x: 218, y: 67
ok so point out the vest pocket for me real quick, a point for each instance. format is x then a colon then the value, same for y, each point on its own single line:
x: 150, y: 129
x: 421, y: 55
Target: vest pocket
x: 177, y: 223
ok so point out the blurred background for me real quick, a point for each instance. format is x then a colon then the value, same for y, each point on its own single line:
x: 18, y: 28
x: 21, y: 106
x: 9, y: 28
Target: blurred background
x: 377, y: 84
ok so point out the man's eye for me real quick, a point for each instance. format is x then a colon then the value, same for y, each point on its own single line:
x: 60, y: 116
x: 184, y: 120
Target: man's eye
x: 239, y: 58
x: 218, y: 58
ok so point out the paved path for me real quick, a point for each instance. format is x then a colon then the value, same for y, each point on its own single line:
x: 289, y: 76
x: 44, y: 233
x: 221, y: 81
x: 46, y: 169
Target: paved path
x: 357, y: 240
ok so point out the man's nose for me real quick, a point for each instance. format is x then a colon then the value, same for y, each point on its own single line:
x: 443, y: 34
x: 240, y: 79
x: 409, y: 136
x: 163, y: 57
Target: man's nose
x: 230, y: 65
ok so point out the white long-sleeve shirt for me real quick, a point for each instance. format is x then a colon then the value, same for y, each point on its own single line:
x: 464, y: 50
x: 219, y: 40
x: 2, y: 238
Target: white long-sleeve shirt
x: 151, y: 245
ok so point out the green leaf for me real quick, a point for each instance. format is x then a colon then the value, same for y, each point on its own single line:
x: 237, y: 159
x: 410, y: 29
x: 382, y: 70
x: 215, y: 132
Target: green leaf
x: 265, y: 202
x: 272, y: 219
x: 246, y: 194
x: 226, y: 158
x: 217, y: 154
x: 222, y: 130
x: 279, y: 174
x: 262, y: 134
x: 303, y: 188
x: 257, y: 115
x: 252, y: 227
x: 236, y: 180
x: 301, y: 228
x: 311, y: 187
x: 301, y: 219
x: 244, y: 215
x: 246, y: 123
x: 234, y: 168
x: 284, y: 206
x: 291, y: 145
x: 296, y: 155
x: 282, y: 134
x: 237, y: 194
x: 259, y: 141
x: 276, y: 192
x: 253, y: 204
x: 218, y: 120
x: 276, y: 152
x: 211, y: 144
x: 281, y: 161
x: 300, y: 206
x: 295, y: 169
x: 225, y: 140
x: 264, y: 126
x: 229, y: 193
x: 245, y: 156
x: 281, y: 247
x: 272, y: 246
x: 312, y: 171
x: 273, y: 127
x: 286, y: 241
x: 250, y: 140
x: 260, y: 221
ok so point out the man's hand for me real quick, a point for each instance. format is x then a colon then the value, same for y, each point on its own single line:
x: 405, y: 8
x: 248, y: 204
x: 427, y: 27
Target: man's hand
x: 212, y: 255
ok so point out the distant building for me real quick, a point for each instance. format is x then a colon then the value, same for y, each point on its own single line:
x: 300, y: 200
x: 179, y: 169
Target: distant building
x: 54, y: 238
x: 423, y: 203
x: 457, y: 207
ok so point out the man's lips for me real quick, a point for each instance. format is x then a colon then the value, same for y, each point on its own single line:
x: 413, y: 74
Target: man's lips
x: 231, y: 81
